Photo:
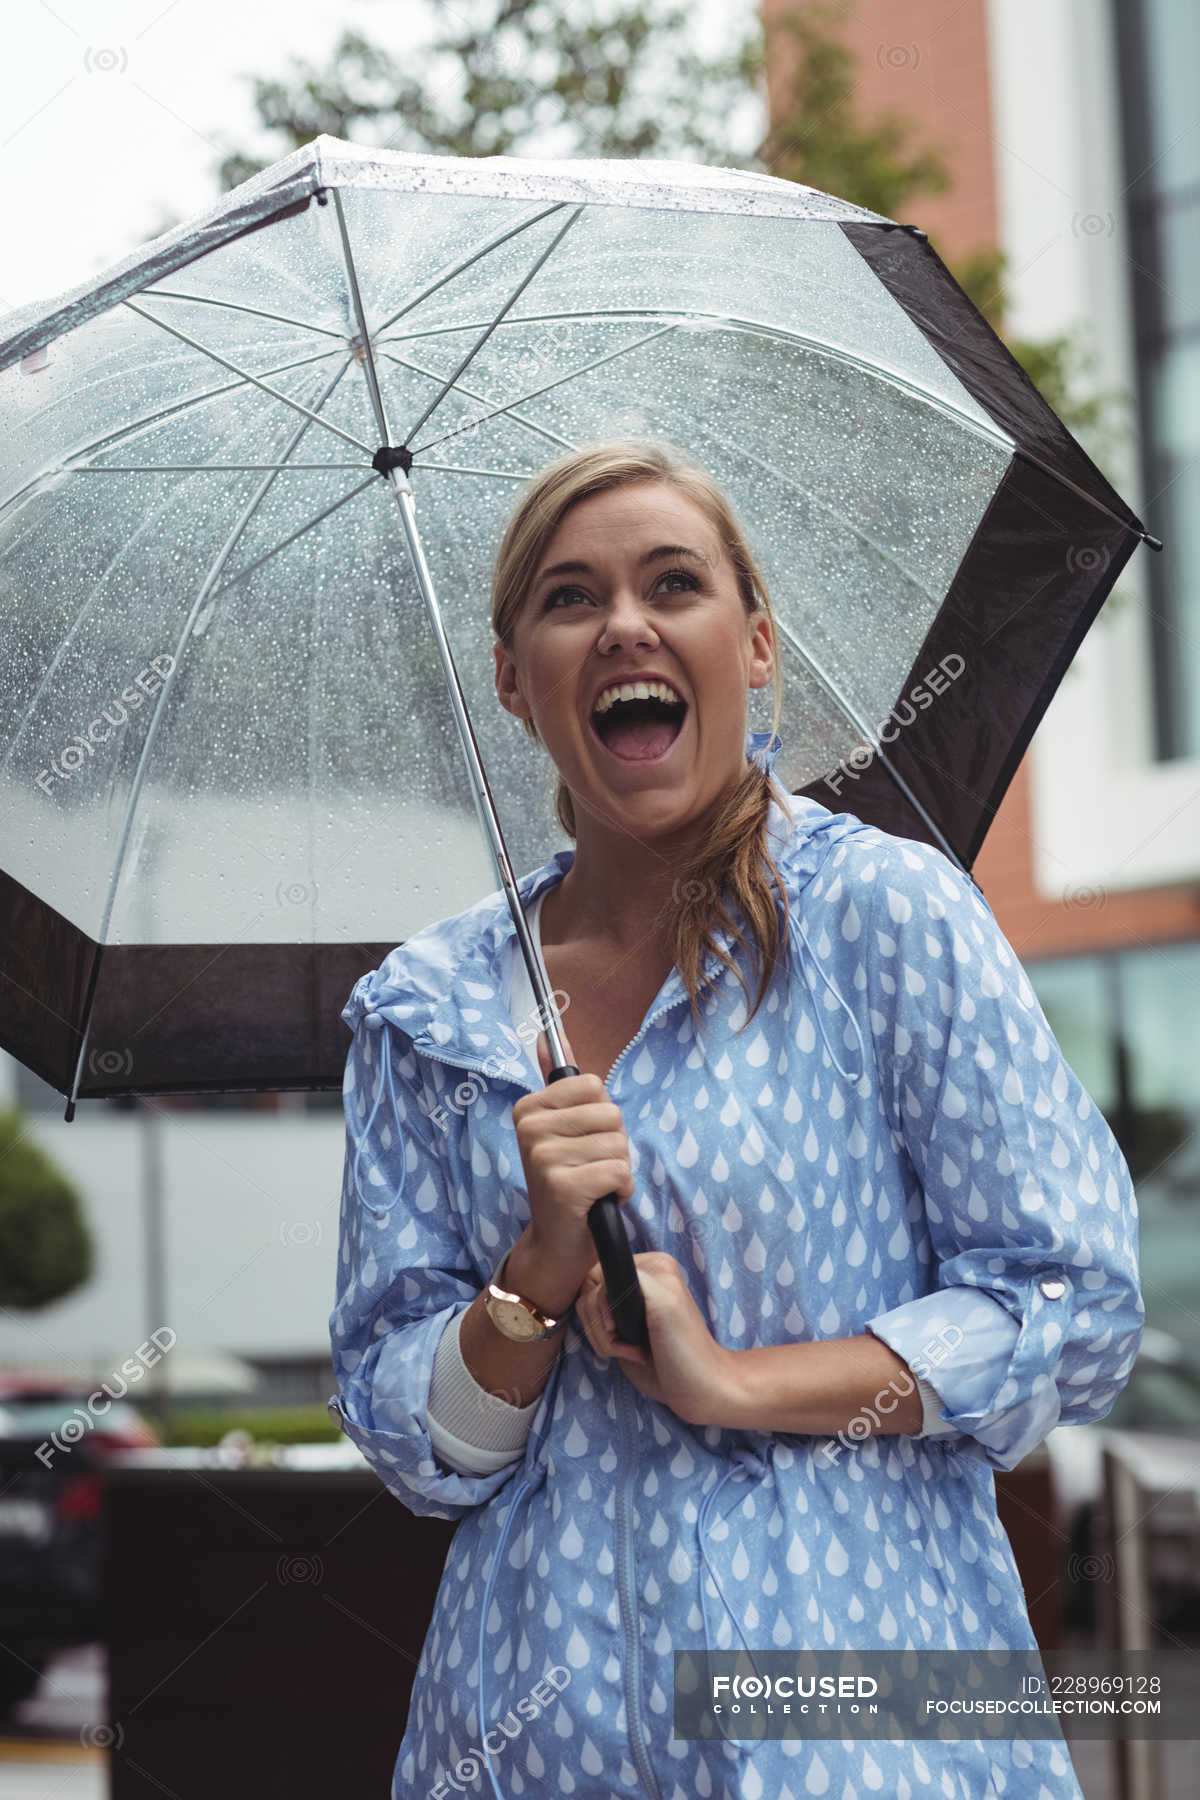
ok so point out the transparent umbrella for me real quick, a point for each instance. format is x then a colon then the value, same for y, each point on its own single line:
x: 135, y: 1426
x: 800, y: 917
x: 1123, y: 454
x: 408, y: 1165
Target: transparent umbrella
x: 251, y: 482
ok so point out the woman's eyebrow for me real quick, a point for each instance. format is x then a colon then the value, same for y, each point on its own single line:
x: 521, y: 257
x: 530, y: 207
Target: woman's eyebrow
x: 583, y: 568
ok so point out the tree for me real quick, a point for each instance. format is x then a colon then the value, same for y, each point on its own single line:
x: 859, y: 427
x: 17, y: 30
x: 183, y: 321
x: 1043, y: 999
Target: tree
x: 553, y: 77
x: 581, y: 78
x: 818, y: 138
x: 45, y: 1246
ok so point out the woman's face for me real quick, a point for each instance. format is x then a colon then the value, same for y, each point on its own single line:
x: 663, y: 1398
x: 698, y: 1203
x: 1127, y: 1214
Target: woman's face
x: 635, y: 586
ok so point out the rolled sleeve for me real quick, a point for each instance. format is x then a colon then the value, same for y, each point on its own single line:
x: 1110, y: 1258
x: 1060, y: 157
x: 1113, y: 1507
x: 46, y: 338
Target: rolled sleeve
x: 1028, y: 1202
x: 958, y: 1342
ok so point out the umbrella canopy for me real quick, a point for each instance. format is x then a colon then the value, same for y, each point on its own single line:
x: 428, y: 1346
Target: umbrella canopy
x: 230, y: 779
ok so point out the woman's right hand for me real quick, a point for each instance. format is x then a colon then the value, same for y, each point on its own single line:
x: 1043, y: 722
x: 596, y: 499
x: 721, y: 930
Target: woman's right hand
x: 574, y: 1151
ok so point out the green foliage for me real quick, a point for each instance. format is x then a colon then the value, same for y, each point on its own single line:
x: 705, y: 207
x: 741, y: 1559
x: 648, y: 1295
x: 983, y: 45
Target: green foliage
x: 45, y: 1246
x: 817, y: 137
x: 508, y: 77
x: 1062, y: 368
x: 205, y: 1426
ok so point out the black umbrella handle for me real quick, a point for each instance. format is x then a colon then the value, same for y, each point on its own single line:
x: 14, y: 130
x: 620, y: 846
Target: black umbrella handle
x: 621, y: 1284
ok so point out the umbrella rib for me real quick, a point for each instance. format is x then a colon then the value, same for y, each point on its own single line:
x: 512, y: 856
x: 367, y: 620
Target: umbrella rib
x: 291, y: 538
x: 543, y: 431
x: 203, y: 592
x: 61, y: 651
x: 493, y: 243
x: 148, y: 419
x: 521, y: 399
x: 191, y: 468
x: 257, y: 312
x: 246, y: 375
x: 457, y: 469
x: 261, y: 492
x: 832, y: 512
x: 481, y: 341
x: 364, y: 336
x: 992, y: 433
x: 851, y: 712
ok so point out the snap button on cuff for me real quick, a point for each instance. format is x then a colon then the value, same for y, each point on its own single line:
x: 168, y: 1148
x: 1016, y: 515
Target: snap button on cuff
x: 1052, y: 1287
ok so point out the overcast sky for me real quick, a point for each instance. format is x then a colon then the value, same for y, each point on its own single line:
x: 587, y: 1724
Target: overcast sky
x: 115, y: 113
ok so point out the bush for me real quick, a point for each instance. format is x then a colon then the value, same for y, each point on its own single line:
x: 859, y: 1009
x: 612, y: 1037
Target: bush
x: 45, y: 1245
x: 206, y: 1426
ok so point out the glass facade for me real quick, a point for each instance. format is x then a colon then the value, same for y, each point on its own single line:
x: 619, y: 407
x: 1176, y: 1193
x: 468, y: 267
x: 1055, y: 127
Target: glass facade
x: 1158, y: 56
x: 1128, y: 1022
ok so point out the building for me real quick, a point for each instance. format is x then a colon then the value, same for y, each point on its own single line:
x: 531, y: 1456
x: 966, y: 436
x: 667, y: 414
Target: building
x: 1070, y: 130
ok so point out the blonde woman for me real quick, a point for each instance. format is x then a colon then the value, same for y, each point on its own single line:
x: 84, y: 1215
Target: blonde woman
x: 884, y: 1239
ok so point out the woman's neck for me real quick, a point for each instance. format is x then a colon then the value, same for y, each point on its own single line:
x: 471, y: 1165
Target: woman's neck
x: 618, y: 891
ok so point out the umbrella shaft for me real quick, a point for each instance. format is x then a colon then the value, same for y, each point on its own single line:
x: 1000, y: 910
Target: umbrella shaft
x: 539, y: 981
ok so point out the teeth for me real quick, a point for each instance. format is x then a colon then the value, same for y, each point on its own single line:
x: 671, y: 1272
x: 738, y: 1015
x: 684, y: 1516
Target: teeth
x: 637, y: 690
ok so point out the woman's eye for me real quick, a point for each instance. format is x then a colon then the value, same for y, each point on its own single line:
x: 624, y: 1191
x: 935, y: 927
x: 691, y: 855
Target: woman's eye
x: 684, y: 575
x: 569, y: 595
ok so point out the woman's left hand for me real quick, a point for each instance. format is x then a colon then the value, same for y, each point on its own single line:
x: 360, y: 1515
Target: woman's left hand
x: 687, y: 1369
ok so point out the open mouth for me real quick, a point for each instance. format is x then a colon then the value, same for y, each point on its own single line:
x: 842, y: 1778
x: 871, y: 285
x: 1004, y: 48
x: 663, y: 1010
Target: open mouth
x: 639, y: 730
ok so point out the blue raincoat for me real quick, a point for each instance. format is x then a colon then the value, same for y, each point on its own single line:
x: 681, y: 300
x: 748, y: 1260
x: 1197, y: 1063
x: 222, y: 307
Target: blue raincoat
x: 895, y: 1144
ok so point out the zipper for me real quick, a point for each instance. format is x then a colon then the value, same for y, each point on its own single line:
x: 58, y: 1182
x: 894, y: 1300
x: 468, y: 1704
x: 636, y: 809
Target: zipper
x: 625, y: 1560
x: 633, y: 1645
x: 650, y: 1019
x: 478, y: 1068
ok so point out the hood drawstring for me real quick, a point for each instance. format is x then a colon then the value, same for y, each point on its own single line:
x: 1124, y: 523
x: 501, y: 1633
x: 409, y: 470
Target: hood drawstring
x: 374, y: 1022
x: 752, y: 1464
x: 800, y: 940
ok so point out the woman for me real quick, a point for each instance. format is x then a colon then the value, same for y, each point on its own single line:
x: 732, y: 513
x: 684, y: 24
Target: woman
x: 884, y: 1239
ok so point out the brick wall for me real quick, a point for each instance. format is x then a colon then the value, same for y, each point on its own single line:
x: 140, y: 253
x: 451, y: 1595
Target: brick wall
x: 927, y: 60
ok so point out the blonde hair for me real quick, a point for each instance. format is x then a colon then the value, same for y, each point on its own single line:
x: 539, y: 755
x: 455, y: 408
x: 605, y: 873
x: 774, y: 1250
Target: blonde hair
x: 730, y: 867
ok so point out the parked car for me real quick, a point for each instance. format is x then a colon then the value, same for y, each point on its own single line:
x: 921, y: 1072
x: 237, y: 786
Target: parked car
x: 53, y: 1448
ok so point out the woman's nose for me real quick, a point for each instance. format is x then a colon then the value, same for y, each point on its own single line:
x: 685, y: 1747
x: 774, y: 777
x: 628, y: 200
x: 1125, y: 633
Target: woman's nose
x: 626, y: 621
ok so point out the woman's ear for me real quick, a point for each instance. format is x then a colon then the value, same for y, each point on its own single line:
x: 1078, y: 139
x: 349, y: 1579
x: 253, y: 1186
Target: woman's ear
x: 762, y: 654
x: 508, y: 687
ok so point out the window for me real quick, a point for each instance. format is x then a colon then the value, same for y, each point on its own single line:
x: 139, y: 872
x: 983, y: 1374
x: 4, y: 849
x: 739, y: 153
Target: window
x: 1127, y: 1023
x: 1158, y: 54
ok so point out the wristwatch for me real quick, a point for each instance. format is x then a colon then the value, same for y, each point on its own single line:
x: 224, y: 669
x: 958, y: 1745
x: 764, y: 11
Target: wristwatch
x: 518, y: 1318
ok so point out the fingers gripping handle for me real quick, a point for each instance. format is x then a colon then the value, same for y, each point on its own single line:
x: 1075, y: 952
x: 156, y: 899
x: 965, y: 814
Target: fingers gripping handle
x: 621, y: 1285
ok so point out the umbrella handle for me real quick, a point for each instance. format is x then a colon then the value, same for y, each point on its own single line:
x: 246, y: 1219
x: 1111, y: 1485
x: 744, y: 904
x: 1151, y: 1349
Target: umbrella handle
x: 621, y: 1284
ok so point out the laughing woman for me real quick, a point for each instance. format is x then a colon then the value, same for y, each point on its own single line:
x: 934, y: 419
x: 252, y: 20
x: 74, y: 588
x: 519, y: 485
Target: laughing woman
x: 885, y: 1240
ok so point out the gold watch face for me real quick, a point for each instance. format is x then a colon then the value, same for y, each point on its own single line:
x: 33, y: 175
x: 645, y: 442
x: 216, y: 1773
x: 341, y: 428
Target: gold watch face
x: 513, y: 1320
